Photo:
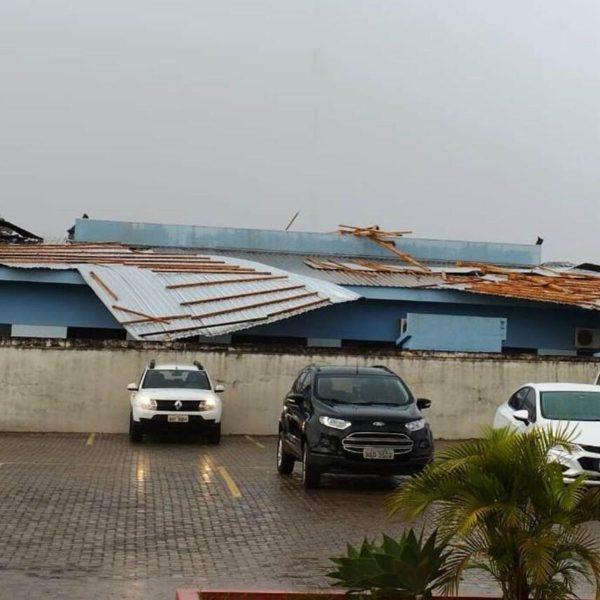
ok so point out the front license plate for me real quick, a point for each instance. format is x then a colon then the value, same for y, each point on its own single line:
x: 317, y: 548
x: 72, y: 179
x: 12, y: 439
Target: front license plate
x: 178, y: 418
x: 378, y: 453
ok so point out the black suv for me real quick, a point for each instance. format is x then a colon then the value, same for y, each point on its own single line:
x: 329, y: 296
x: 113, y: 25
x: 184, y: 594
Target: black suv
x: 361, y: 420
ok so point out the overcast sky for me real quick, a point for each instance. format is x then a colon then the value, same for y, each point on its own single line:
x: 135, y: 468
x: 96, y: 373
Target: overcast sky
x: 456, y: 119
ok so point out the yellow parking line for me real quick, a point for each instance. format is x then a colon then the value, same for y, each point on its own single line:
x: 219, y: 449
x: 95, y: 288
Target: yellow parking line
x: 90, y: 440
x: 251, y: 439
x: 233, y: 488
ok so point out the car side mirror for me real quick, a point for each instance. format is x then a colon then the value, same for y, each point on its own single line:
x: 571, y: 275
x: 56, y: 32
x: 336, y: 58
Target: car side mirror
x: 295, y: 398
x: 219, y: 388
x: 133, y: 387
x: 423, y: 403
x: 522, y: 415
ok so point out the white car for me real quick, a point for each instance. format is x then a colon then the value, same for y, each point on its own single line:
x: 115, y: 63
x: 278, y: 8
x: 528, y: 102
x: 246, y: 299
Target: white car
x: 558, y: 406
x: 175, y: 397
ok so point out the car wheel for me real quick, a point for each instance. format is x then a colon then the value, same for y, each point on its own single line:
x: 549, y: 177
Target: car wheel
x: 310, y: 475
x: 215, y: 435
x: 285, y: 461
x: 135, y: 430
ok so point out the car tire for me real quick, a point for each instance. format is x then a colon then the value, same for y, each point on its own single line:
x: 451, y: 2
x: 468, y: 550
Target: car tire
x: 135, y: 431
x: 311, y: 477
x: 214, y: 437
x: 285, y: 461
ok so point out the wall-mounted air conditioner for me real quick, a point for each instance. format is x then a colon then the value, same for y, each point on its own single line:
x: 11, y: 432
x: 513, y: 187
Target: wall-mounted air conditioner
x: 587, y: 338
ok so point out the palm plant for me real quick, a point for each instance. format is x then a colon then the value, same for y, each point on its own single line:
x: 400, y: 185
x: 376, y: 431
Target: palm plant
x: 507, y: 511
x: 395, y: 569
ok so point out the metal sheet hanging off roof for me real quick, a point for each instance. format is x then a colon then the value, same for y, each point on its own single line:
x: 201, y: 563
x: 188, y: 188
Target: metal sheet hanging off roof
x: 169, y: 305
x: 169, y: 295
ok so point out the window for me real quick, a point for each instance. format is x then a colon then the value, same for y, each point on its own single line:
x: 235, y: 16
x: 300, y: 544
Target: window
x: 530, y: 405
x: 176, y: 379
x: 571, y: 406
x: 517, y: 399
x: 362, y: 389
x: 307, y: 385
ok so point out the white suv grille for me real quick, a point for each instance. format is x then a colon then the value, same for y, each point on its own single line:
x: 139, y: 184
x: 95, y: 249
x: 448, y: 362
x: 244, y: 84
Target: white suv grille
x: 357, y: 442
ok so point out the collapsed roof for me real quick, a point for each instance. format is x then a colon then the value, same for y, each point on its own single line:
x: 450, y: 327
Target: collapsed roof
x: 167, y: 295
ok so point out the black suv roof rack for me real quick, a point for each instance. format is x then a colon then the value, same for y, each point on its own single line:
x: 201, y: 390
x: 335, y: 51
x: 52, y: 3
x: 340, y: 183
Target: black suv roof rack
x: 198, y: 365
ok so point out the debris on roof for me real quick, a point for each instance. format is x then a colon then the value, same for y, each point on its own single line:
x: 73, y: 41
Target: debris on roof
x: 170, y: 295
x: 385, y: 239
x: 541, y: 284
x: 13, y: 234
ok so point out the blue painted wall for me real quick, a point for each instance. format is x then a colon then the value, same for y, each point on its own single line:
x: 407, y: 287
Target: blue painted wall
x: 529, y: 326
x: 539, y: 327
x: 188, y: 236
x: 53, y: 304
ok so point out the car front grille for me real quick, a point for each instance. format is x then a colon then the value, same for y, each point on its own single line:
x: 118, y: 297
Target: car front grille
x: 357, y: 442
x: 186, y: 405
x: 595, y: 449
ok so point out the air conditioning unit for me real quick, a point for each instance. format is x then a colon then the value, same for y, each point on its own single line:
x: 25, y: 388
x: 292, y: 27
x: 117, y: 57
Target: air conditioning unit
x: 587, y: 338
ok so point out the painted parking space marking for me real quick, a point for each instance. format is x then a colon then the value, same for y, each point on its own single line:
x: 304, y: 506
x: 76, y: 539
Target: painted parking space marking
x: 90, y: 439
x: 234, y: 490
x: 251, y: 439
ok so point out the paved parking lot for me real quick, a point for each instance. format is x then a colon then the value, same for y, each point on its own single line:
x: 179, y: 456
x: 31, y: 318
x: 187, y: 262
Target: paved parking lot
x: 86, y: 517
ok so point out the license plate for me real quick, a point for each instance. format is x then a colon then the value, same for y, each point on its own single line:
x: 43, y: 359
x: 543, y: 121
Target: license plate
x: 178, y: 418
x: 378, y: 453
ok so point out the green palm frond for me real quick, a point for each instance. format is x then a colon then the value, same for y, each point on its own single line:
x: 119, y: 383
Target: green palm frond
x: 508, y: 511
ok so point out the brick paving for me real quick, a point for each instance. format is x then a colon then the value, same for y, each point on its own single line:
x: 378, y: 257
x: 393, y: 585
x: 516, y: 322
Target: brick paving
x: 113, y: 520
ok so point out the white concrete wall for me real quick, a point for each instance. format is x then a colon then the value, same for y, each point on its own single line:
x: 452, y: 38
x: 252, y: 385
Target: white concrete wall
x: 76, y: 389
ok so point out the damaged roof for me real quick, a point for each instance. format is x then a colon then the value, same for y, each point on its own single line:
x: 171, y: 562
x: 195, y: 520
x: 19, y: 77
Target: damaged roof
x: 11, y: 233
x: 165, y: 295
x: 566, y: 285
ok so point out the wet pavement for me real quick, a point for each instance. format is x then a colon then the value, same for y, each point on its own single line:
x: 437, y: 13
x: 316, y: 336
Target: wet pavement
x: 85, y: 517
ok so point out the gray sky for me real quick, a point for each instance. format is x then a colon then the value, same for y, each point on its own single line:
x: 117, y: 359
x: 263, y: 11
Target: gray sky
x: 456, y: 119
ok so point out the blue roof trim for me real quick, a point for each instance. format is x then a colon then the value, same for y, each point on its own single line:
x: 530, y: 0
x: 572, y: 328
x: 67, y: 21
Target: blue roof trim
x: 190, y: 236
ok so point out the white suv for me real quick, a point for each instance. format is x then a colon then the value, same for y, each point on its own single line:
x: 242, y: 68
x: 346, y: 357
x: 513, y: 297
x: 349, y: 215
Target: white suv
x: 175, y: 397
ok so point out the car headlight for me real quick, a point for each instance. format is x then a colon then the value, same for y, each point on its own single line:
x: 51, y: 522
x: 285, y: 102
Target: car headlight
x: 207, y: 404
x: 147, y: 404
x: 415, y: 425
x: 334, y: 423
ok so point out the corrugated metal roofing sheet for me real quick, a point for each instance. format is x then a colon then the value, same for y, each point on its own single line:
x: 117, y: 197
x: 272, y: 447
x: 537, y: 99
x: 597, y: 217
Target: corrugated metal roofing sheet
x: 166, y: 296
x: 218, y: 304
x: 407, y: 277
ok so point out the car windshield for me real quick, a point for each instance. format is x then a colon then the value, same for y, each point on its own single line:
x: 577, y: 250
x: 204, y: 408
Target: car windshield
x: 175, y: 378
x: 362, y: 389
x: 571, y: 406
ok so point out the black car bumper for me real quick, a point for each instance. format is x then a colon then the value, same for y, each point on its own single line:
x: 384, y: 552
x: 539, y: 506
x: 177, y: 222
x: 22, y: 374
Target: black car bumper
x: 327, y: 463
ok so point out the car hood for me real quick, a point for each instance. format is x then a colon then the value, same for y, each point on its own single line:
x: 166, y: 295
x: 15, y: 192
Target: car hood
x: 583, y: 432
x: 359, y: 412
x: 175, y: 394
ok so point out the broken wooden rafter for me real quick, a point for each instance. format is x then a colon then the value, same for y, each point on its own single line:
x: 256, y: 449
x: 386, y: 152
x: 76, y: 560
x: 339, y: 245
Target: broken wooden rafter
x: 174, y: 286
x: 103, y: 285
x: 199, y: 327
x: 372, y: 231
x: 243, y: 295
x: 255, y: 305
x: 138, y: 313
